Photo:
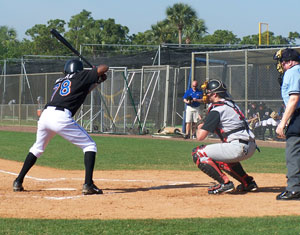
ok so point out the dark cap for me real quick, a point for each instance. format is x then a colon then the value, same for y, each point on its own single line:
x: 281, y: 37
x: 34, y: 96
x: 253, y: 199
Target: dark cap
x: 290, y: 54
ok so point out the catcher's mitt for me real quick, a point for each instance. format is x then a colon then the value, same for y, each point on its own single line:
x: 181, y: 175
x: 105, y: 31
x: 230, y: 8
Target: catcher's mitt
x: 274, y: 115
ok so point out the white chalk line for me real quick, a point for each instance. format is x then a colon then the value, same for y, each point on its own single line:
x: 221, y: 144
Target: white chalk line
x: 169, y: 183
x: 97, y: 179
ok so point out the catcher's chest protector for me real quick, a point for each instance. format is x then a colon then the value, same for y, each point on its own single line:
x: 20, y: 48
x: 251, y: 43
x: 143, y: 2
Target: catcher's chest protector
x: 232, y: 121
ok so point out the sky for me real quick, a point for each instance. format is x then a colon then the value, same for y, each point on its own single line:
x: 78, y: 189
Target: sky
x: 241, y: 17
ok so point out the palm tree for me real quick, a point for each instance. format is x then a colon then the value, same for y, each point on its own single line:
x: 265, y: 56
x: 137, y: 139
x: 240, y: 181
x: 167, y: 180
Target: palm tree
x: 195, y: 31
x: 180, y: 15
x: 163, y: 32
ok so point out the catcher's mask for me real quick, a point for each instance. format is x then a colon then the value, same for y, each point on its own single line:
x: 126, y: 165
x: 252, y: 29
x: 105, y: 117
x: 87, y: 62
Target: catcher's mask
x: 73, y: 66
x: 216, y: 86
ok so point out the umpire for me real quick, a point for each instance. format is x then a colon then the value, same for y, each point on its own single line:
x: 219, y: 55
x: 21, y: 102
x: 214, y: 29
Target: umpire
x: 289, y: 68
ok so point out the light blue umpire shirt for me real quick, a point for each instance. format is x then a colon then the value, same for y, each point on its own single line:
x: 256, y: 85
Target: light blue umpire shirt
x: 291, y: 84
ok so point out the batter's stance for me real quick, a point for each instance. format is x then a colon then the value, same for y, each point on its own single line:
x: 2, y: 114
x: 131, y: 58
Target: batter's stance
x: 227, y: 120
x: 69, y: 93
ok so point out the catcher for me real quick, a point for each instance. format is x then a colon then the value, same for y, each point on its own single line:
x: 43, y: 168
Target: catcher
x: 226, y: 119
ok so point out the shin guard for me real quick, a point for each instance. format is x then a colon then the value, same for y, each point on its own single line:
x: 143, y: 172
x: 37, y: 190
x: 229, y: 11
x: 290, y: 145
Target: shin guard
x: 236, y: 171
x: 207, y: 165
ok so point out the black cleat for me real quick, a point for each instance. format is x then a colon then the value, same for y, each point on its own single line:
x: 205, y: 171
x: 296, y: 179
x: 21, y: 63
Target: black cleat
x: 288, y: 195
x: 251, y: 187
x: 91, y: 189
x: 186, y: 137
x: 221, y: 188
x: 17, y: 186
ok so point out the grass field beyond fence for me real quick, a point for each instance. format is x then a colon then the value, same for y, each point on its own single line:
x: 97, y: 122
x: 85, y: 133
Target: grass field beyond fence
x: 125, y: 153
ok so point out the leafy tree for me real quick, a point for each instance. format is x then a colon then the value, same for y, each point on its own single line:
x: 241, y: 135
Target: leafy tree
x: 273, y: 40
x: 42, y: 42
x: 80, y: 26
x: 85, y: 30
x: 145, y: 38
x: 181, y: 15
x: 8, y: 43
x: 221, y: 37
x: 250, y: 40
x: 293, y: 36
x: 112, y: 33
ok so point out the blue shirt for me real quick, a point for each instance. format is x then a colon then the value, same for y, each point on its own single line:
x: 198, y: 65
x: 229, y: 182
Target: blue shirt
x: 194, y: 94
x: 291, y: 84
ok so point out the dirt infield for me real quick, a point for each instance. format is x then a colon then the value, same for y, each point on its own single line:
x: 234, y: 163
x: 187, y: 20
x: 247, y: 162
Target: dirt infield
x: 56, y: 194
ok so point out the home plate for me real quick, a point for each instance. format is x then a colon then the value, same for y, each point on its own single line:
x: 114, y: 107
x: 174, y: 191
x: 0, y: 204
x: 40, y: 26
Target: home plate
x: 61, y: 189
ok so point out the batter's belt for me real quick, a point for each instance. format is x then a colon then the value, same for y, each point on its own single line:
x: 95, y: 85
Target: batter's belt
x: 59, y: 108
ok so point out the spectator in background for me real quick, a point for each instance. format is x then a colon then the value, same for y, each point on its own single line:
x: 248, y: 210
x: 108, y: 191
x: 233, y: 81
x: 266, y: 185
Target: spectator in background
x: 253, y: 118
x: 11, y: 103
x: 266, y: 122
x: 192, y: 98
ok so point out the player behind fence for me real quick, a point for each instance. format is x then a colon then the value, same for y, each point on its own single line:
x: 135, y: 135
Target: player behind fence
x: 69, y: 93
x: 226, y: 119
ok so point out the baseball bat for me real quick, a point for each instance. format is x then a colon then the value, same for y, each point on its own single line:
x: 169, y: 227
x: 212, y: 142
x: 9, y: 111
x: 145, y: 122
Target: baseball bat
x: 67, y: 44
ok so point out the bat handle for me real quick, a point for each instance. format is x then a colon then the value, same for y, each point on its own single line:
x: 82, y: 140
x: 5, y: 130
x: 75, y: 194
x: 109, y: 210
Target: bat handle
x: 86, y: 61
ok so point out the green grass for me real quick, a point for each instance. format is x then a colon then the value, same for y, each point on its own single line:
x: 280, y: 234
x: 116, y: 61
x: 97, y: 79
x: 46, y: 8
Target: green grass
x: 119, y: 153
x: 266, y: 225
x: 138, y: 153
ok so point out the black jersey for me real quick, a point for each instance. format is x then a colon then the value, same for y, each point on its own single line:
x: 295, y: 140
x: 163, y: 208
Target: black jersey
x: 70, y: 92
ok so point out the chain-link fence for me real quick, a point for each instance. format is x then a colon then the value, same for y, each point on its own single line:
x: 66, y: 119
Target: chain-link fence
x: 140, y: 99
x: 250, y: 75
x: 134, y: 101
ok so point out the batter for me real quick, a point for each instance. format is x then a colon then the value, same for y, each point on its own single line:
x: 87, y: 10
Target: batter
x: 68, y: 95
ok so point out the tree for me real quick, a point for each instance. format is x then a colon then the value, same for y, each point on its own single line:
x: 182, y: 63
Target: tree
x: 273, y: 40
x: 194, y: 32
x: 112, y: 33
x: 42, y: 43
x: 181, y: 15
x: 80, y: 26
x: 293, y: 36
x: 8, y: 43
x: 163, y: 32
x: 221, y: 37
x: 145, y: 38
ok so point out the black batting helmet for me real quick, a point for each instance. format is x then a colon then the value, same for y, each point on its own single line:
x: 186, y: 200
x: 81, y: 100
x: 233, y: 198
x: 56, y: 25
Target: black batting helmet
x: 73, y: 66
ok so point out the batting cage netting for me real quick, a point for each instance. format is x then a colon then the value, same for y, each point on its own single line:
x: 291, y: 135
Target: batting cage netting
x: 144, y: 89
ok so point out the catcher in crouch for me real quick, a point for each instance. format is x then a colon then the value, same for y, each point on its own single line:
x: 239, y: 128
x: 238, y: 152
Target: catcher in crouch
x: 226, y: 119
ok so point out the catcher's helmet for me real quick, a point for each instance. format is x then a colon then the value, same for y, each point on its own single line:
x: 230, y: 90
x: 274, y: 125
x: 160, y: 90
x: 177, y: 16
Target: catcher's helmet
x: 73, y: 66
x: 216, y: 86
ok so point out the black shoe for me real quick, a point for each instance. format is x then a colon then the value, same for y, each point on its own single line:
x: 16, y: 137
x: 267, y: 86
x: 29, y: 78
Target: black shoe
x: 91, y: 189
x: 221, y: 188
x: 251, y: 187
x: 17, y: 186
x: 288, y: 195
x: 186, y: 137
